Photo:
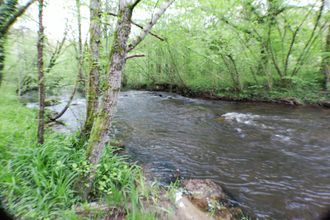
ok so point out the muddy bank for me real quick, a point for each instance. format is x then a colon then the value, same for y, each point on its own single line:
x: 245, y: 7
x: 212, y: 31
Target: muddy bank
x: 187, y: 92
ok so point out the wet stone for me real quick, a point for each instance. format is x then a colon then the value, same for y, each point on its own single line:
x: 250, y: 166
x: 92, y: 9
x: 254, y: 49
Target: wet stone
x: 202, y: 192
x: 210, y: 197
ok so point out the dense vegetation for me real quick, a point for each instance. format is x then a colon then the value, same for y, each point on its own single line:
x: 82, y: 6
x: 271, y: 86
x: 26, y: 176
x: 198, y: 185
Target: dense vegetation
x: 40, y: 182
x: 239, y: 49
x: 249, y: 50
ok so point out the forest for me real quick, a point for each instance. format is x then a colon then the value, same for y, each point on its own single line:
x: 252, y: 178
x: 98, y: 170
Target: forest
x: 164, y: 109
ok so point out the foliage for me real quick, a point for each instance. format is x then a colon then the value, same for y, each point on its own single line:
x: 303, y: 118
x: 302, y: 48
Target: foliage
x: 236, y: 48
x: 38, y: 182
x: 247, y: 49
x: 62, y: 74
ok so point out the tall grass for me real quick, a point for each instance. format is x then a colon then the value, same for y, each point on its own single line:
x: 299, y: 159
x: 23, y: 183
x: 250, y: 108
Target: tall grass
x: 40, y: 181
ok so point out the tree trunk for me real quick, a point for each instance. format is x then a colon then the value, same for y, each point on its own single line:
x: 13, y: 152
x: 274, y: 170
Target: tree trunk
x: 2, y: 57
x: 80, y: 49
x: 99, y: 134
x: 326, y: 61
x: 263, y: 60
x: 93, y: 79
x: 100, y: 131
x: 41, y: 77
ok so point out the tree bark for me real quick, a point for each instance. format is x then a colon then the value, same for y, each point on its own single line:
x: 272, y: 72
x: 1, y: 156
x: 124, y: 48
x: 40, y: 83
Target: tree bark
x: 99, y: 134
x: 41, y: 77
x: 93, y: 79
x: 80, y: 45
x: 2, y: 56
x: 326, y: 61
x: 100, y: 129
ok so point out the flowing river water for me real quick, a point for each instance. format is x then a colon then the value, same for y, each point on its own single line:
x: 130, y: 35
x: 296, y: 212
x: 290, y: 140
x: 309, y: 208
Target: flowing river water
x: 274, y: 160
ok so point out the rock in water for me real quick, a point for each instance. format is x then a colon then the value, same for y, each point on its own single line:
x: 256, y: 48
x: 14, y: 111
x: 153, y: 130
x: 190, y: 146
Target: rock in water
x: 202, y: 192
x: 208, y: 196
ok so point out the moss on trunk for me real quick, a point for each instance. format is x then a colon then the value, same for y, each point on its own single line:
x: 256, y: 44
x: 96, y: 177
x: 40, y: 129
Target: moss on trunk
x: 99, y: 134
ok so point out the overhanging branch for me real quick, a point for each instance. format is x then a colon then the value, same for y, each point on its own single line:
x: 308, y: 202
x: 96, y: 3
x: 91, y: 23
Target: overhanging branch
x: 141, y: 27
x: 146, y: 30
x: 4, y: 29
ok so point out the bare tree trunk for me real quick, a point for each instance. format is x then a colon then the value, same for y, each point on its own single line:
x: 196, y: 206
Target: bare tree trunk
x: 80, y: 46
x: 326, y: 61
x: 93, y: 79
x: 41, y: 77
x: 2, y: 57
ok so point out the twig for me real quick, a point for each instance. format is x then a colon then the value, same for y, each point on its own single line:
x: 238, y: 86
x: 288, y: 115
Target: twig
x: 135, y: 56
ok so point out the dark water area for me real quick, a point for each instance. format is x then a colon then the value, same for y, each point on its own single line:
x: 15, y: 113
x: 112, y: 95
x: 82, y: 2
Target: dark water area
x: 273, y: 159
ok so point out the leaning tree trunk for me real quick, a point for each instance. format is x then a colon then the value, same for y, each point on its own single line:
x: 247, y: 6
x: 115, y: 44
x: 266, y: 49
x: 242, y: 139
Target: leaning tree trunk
x: 99, y: 134
x: 93, y: 79
x: 41, y: 77
x: 100, y: 131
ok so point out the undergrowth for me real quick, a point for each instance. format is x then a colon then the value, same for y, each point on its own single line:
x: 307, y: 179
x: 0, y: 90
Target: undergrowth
x: 39, y: 181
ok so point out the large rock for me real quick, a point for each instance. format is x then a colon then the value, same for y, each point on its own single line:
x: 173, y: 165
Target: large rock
x: 203, y: 192
x: 187, y: 211
x: 210, y: 197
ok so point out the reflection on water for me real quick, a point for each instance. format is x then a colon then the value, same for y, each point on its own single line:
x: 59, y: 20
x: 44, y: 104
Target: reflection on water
x: 273, y: 159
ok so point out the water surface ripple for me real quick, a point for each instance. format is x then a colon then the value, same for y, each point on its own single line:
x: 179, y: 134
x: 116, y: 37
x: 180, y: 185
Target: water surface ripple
x: 273, y: 159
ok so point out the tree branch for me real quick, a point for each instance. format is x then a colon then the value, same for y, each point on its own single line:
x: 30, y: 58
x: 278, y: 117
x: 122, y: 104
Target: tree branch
x: 141, y: 27
x: 293, y: 40
x: 135, y: 4
x: 4, y: 29
x: 66, y: 107
x: 309, y: 42
x: 56, y: 54
x: 135, y: 56
x: 147, y: 28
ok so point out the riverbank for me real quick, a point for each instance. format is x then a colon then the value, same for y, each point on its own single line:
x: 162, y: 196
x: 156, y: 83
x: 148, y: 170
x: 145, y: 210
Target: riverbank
x: 290, y: 98
x: 40, y: 181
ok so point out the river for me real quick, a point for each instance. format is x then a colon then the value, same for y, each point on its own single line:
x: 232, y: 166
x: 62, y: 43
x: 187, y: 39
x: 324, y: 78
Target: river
x: 273, y: 159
